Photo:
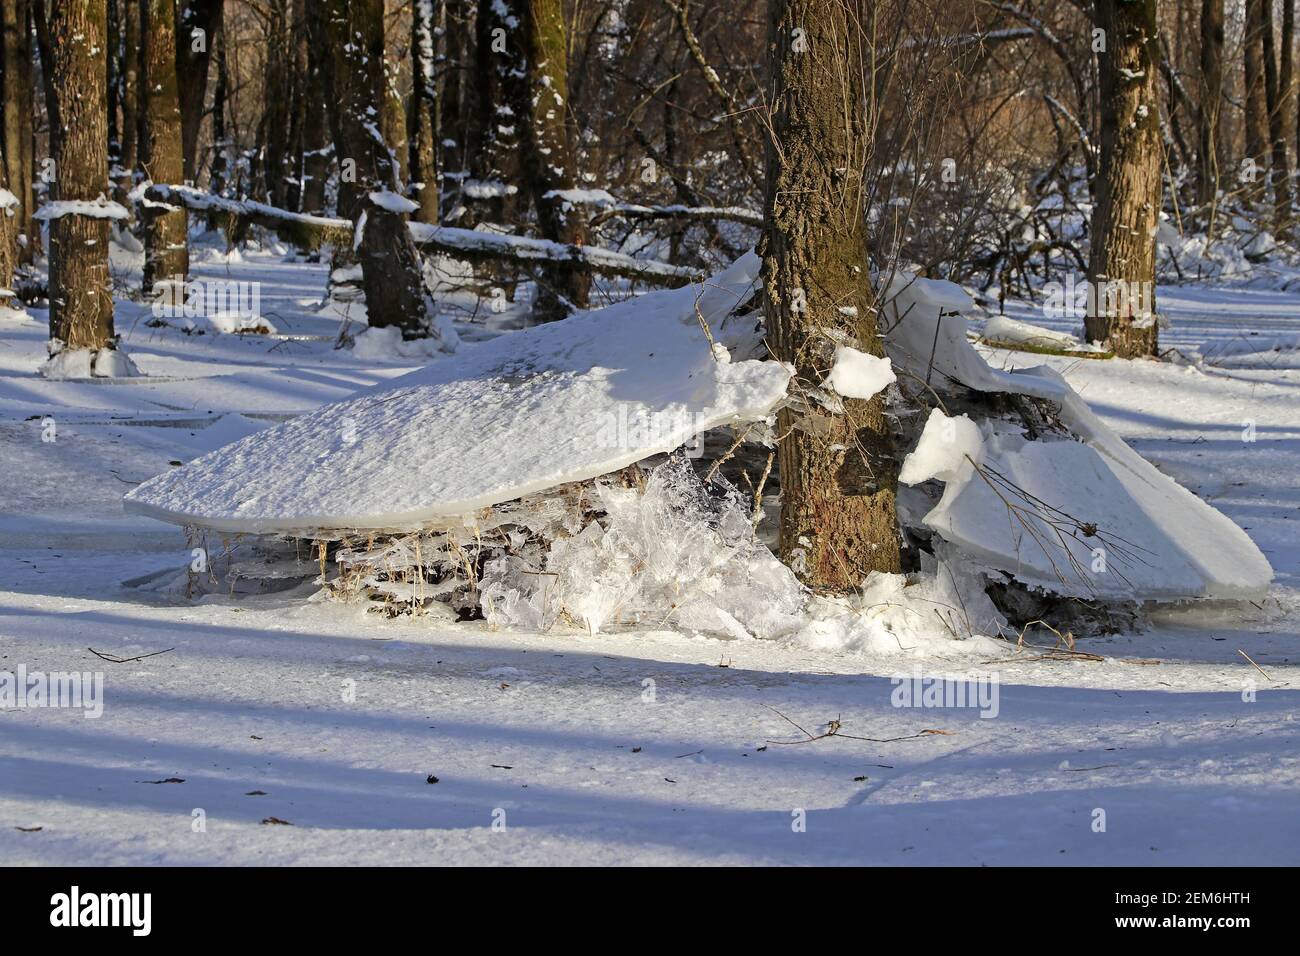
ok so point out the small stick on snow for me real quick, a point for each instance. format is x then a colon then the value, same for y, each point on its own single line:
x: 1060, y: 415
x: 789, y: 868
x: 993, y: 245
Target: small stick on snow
x: 114, y: 659
x: 1256, y: 666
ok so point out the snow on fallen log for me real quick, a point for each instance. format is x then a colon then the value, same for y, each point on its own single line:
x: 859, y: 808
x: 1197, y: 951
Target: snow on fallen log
x: 100, y: 208
x: 310, y: 232
x: 1069, y: 509
x: 522, y: 413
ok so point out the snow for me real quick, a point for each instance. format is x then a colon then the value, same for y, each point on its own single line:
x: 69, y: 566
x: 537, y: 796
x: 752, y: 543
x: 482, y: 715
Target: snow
x: 7, y: 200
x: 393, y: 203
x: 1000, y: 330
x: 380, y: 460
x: 946, y: 447
x: 860, y: 374
x: 647, y: 744
x: 68, y: 363
x: 100, y: 208
x: 1040, y: 510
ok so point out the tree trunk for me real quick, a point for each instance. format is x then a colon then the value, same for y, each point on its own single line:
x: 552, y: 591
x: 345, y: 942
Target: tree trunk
x: 315, y: 129
x: 422, y: 118
x: 219, y: 176
x: 498, y: 60
x: 1256, y: 116
x: 8, y: 239
x: 457, y: 117
x: 196, y: 23
x: 81, y: 301
x: 1279, y: 96
x: 130, y: 80
x: 536, y: 95
x: 353, y: 31
x: 166, y: 252
x: 277, y: 163
x: 838, y: 471
x: 1210, y: 145
x: 17, y: 110
x: 1122, y: 257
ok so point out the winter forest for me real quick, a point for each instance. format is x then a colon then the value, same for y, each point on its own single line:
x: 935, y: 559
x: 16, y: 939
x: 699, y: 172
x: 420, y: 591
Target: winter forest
x: 599, y: 432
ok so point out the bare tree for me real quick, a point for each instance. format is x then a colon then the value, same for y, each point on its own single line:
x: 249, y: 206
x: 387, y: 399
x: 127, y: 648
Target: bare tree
x: 166, y: 249
x: 838, y: 471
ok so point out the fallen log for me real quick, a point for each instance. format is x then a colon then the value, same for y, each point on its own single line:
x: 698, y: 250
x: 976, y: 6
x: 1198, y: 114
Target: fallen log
x: 311, y: 232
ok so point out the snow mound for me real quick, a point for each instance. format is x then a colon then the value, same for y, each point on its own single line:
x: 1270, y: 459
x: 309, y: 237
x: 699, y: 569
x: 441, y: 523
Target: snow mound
x: 1089, y: 517
x: 860, y: 374
x: 668, y: 554
x: 67, y: 364
x: 518, y: 414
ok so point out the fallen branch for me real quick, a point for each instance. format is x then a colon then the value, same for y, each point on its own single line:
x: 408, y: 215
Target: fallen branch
x: 114, y: 659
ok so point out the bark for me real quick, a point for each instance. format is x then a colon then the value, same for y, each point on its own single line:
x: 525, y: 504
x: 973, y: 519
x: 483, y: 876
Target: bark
x: 130, y: 99
x: 81, y: 302
x: 1279, y: 98
x: 537, y: 97
x: 838, y: 471
x: 17, y: 113
x: 1128, y: 191
x: 8, y: 241
x: 499, y: 60
x: 1210, y: 101
x: 422, y: 118
x: 353, y: 31
x: 1256, y: 117
x: 458, y: 119
x: 166, y: 252
x: 315, y: 130
x: 219, y: 176
x: 277, y: 163
x: 193, y: 55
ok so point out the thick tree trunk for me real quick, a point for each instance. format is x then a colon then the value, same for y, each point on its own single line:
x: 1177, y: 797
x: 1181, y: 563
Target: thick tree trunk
x: 17, y: 111
x: 1122, y: 256
x: 81, y: 301
x: 541, y: 96
x: 1279, y: 99
x: 1256, y: 116
x: 422, y: 117
x: 166, y: 252
x: 499, y: 61
x: 219, y: 176
x: 838, y: 471
x: 1210, y: 139
x: 353, y: 31
x: 196, y: 23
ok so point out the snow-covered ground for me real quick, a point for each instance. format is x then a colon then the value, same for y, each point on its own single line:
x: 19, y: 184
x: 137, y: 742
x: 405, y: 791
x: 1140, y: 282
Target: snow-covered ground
x: 409, y: 741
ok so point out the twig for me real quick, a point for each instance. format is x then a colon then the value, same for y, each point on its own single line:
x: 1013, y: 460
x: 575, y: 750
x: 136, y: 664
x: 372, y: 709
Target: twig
x: 114, y: 659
